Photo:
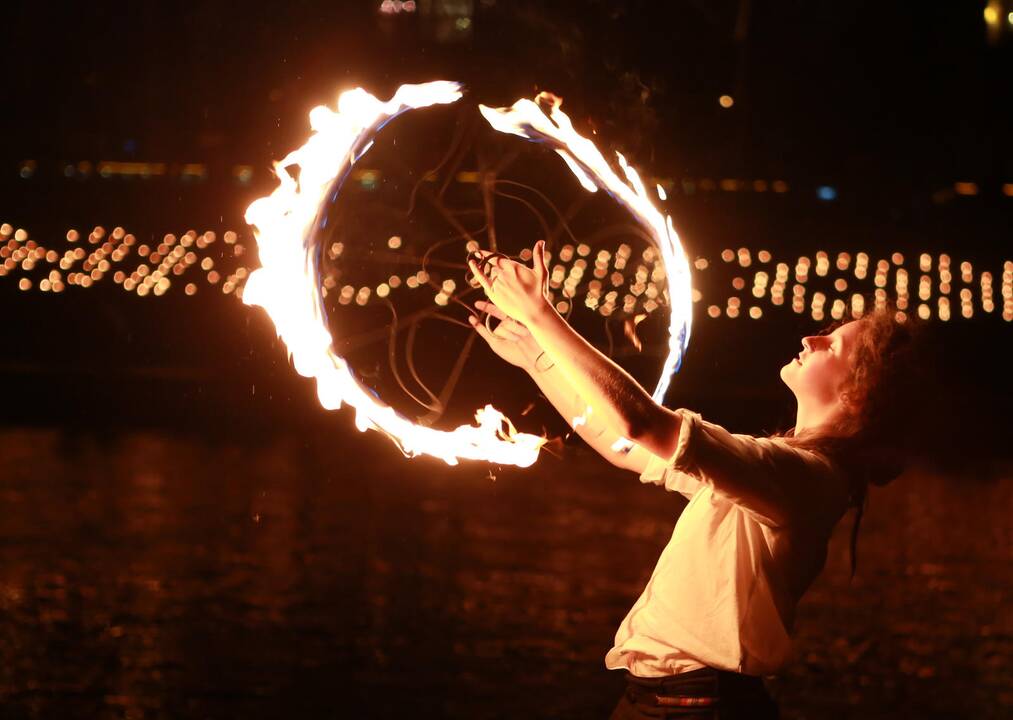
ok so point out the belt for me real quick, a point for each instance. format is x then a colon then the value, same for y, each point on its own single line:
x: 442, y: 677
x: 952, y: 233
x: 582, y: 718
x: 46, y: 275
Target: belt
x: 701, y: 688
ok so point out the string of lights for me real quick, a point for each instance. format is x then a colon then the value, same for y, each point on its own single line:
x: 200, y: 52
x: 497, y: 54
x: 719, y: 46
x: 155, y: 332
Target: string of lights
x: 617, y: 280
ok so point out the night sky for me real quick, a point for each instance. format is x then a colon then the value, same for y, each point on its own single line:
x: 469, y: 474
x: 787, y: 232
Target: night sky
x: 862, y: 92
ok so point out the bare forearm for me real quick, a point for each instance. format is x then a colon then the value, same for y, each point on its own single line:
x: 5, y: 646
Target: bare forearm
x: 616, y: 399
x: 572, y: 407
x: 566, y: 400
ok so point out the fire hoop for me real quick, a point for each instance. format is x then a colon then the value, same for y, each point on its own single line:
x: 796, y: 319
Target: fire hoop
x: 287, y: 225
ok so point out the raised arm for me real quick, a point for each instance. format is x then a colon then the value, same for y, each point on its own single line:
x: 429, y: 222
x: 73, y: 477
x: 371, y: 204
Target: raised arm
x: 592, y: 430
x: 615, y: 397
x: 775, y: 481
x: 514, y: 343
x: 609, y: 390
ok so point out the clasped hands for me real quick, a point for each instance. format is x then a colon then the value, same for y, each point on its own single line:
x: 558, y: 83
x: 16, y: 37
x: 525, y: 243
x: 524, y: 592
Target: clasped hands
x: 517, y: 296
x: 518, y: 290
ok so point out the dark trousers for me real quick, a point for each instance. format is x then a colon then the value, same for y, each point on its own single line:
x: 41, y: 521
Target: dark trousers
x: 704, y: 694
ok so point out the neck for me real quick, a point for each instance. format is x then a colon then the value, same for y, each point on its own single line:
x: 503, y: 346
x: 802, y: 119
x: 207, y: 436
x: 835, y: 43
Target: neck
x: 810, y: 418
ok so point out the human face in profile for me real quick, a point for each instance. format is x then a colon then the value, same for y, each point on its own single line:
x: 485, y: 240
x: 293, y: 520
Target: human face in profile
x: 817, y: 373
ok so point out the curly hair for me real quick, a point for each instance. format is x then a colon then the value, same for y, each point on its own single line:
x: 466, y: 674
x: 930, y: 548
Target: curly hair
x: 875, y: 436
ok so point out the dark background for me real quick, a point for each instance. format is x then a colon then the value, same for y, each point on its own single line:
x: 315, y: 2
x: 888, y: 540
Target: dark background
x: 186, y: 532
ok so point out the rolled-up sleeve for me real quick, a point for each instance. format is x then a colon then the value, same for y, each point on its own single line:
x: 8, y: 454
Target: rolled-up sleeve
x: 671, y: 472
x: 773, y: 480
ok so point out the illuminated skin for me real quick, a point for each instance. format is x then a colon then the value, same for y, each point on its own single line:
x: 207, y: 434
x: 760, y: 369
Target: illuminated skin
x: 616, y: 398
x: 815, y: 376
x: 518, y: 291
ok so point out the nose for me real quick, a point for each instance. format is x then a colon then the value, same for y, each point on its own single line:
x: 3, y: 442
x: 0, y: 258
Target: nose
x: 807, y: 343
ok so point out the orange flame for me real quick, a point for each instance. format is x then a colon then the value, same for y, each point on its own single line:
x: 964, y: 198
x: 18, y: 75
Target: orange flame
x: 527, y: 119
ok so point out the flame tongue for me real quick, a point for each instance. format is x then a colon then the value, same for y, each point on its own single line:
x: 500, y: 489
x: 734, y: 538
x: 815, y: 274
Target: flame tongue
x: 527, y: 119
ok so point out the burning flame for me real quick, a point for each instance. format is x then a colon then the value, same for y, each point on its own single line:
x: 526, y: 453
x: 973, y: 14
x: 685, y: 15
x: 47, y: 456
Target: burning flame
x: 527, y: 119
x: 287, y: 286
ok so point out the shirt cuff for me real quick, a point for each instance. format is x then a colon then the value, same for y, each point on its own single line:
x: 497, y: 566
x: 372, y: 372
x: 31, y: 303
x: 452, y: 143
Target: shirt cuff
x: 676, y: 472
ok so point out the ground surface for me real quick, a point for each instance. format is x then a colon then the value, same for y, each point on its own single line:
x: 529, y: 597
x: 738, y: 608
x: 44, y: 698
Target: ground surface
x: 150, y: 575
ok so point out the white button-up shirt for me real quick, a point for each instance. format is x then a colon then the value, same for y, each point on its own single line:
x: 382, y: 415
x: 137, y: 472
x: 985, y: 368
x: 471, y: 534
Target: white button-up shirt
x: 747, y: 546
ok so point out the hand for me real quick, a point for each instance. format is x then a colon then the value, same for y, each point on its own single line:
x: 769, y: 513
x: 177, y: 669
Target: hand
x: 510, y: 339
x: 519, y: 291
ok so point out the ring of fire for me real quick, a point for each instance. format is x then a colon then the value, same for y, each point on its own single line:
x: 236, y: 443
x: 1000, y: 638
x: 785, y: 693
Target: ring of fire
x: 287, y: 284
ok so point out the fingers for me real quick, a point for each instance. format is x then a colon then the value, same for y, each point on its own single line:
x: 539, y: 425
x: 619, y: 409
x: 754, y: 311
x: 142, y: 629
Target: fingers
x: 538, y: 255
x: 516, y: 328
x: 481, y: 329
x: 480, y: 276
x: 541, y: 265
x: 491, y: 308
x: 507, y: 328
x: 493, y: 256
x: 486, y: 258
x: 510, y: 329
x: 519, y: 329
x: 504, y: 332
x: 499, y: 335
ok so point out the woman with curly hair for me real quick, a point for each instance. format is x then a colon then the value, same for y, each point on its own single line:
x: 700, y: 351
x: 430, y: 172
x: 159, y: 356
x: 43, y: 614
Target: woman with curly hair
x: 717, y: 613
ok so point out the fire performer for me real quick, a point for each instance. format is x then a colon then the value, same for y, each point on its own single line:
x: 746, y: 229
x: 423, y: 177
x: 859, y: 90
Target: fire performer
x: 717, y: 613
